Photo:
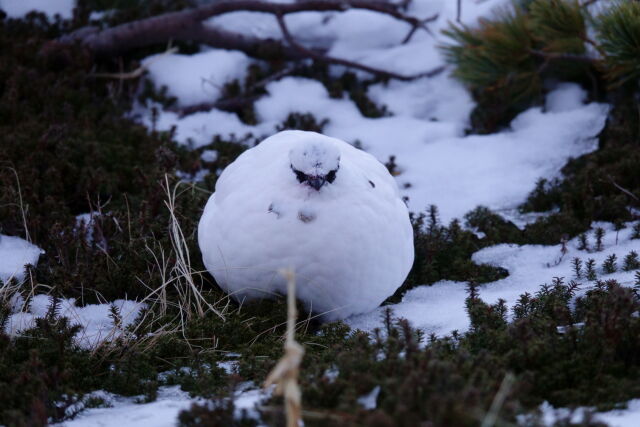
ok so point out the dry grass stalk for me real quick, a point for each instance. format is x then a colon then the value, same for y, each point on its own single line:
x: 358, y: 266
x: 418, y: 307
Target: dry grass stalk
x: 498, y: 400
x: 191, y: 295
x: 285, y: 374
x: 138, y: 71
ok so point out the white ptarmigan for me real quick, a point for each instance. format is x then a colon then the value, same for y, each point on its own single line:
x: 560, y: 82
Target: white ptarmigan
x: 315, y: 204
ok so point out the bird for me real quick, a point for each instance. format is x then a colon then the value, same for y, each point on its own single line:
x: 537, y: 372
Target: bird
x: 314, y: 204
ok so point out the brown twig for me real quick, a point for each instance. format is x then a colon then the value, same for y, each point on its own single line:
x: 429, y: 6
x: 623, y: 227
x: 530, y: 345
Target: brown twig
x: 624, y: 190
x: 421, y: 25
x: 138, y: 71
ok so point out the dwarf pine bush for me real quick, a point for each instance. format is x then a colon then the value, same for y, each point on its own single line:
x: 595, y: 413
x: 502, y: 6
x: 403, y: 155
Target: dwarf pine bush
x: 631, y: 261
x: 610, y: 264
x: 505, y: 59
x: 591, y: 269
x: 619, y: 36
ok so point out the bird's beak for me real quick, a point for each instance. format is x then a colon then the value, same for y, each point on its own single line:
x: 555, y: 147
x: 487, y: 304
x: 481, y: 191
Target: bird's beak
x: 316, y: 182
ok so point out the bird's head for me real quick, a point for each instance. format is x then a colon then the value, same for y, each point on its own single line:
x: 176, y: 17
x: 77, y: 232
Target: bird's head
x: 315, y: 163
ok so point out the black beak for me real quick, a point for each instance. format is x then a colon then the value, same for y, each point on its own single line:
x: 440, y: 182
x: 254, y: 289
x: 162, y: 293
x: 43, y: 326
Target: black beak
x: 316, y: 182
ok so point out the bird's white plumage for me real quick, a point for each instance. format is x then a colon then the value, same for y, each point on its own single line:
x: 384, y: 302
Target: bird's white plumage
x: 350, y: 243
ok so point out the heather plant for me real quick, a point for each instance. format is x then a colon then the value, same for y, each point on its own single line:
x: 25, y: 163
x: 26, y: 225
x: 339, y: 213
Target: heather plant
x: 583, y: 242
x: 562, y: 348
x: 610, y: 264
x: 576, y: 264
x: 591, y: 269
x: 598, y: 235
x: 631, y: 261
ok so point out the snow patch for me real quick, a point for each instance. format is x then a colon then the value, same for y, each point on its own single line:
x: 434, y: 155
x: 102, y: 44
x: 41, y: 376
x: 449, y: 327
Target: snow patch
x: 20, y: 8
x: 125, y: 411
x: 440, y: 308
x: 97, y: 324
x: 197, y: 78
x: 15, y: 253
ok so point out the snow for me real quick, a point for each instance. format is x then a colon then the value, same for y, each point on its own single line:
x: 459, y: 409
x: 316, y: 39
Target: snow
x: 15, y: 253
x: 198, y: 78
x: 121, y: 411
x: 629, y: 417
x: 441, y: 164
x: 125, y: 411
x: 438, y: 163
x: 97, y: 324
x: 19, y: 8
x: 370, y: 400
x: 440, y: 308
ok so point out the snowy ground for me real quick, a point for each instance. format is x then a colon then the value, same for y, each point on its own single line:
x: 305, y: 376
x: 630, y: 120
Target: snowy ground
x: 426, y: 133
x: 51, y: 8
x: 15, y: 253
x: 440, y: 308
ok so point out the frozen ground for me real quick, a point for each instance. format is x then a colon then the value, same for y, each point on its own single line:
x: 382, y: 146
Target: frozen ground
x: 426, y: 131
x: 440, y: 309
x: 96, y: 320
x: 163, y: 412
x: 439, y: 164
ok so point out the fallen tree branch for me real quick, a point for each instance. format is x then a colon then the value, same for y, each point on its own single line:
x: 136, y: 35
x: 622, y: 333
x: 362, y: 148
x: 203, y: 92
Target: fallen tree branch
x: 188, y: 25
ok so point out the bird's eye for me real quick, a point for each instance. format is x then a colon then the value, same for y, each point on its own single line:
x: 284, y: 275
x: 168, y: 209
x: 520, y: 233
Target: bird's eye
x: 331, y: 176
x: 302, y: 177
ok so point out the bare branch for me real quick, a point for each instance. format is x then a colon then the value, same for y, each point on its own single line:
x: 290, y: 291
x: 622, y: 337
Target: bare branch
x: 422, y: 25
x: 351, y: 64
x: 187, y: 25
x: 624, y: 190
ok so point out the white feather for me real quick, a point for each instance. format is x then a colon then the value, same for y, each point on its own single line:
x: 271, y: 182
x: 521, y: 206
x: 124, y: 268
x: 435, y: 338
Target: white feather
x: 350, y: 243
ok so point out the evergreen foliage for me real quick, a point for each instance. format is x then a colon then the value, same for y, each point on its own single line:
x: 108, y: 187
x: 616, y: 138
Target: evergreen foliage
x: 504, y: 60
x: 610, y: 264
x: 591, y: 269
x: 619, y: 36
x: 631, y: 261
x: 598, y: 235
x: 559, y: 348
x: 576, y: 264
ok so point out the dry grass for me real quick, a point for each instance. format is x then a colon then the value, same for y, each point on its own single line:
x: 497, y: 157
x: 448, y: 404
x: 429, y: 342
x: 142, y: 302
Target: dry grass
x: 285, y: 374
